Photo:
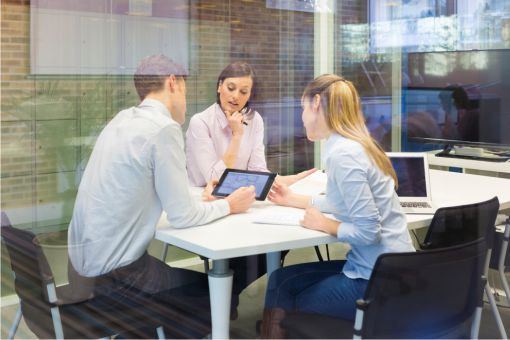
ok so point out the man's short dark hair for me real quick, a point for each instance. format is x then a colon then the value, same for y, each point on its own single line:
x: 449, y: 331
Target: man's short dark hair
x: 152, y: 71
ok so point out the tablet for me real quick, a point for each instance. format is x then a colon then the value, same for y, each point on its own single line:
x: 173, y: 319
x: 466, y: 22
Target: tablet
x: 233, y: 179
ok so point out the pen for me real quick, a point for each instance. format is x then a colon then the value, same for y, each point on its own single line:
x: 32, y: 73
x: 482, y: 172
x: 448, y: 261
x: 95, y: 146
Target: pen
x: 245, y: 111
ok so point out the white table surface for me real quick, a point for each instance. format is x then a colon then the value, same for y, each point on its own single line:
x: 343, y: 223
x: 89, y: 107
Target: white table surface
x: 236, y: 235
x: 452, y: 188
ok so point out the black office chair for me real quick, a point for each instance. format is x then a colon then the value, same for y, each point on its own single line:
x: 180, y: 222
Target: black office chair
x: 432, y: 294
x: 460, y: 224
x: 52, y: 312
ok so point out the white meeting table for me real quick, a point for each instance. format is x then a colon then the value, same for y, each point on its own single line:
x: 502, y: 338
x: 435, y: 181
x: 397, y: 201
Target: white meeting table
x: 236, y: 235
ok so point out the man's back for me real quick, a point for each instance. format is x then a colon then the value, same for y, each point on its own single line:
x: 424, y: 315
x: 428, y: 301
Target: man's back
x: 117, y: 206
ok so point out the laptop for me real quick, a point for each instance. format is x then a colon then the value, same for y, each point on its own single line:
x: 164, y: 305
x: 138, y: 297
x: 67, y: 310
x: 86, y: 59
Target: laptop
x: 413, y: 191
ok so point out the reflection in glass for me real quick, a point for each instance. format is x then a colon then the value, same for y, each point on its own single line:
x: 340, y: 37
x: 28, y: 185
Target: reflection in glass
x: 464, y: 102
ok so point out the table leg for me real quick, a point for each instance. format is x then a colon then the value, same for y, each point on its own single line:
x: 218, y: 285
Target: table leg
x: 273, y: 262
x: 220, y: 291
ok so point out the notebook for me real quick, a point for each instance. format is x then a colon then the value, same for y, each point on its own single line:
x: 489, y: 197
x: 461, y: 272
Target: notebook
x: 413, y: 182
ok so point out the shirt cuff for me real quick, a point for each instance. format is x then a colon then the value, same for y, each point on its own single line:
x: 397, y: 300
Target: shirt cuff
x: 223, y: 207
x: 319, y: 202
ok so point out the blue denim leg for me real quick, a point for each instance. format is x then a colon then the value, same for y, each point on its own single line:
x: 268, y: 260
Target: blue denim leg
x: 318, y: 287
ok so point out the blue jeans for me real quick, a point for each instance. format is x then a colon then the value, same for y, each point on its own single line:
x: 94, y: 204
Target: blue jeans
x: 317, y: 287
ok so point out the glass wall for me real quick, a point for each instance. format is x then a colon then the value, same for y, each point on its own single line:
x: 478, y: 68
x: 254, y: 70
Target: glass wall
x: 59, y: 89
x: 67, y: 69
x: 407, y: 58
x: 372, y: 72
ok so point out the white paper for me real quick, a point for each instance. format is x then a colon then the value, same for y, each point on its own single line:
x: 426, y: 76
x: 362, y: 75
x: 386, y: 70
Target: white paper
x: 279, y: 217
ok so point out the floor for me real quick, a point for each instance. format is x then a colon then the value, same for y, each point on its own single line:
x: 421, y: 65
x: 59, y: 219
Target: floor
x: 252, y: 303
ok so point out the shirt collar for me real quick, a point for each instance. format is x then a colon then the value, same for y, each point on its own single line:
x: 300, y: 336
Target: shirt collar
x: 156, y: 104
x: 220, y: 116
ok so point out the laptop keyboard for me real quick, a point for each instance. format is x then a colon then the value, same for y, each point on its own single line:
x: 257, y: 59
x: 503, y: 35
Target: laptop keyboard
x: 415, y: 205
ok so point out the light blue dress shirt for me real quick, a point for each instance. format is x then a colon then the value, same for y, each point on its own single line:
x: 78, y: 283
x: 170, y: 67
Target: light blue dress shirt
x: 136, y: 170
x: 363, y: 198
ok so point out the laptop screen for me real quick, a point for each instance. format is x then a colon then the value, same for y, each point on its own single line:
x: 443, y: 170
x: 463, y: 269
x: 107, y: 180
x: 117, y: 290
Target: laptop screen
x: 411, y: 176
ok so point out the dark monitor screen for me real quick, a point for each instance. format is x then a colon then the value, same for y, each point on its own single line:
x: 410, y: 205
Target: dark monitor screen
x: 458, y: 98
x: 411, y: 176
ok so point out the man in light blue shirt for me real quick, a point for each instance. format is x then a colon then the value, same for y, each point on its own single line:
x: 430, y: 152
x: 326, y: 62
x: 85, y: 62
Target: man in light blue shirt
x: 137, y: 170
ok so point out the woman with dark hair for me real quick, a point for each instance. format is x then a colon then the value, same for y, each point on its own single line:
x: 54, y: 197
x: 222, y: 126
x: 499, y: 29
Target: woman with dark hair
x: 229, y: 134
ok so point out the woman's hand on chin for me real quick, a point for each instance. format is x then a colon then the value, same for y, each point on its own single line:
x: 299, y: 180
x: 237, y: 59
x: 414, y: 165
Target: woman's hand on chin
x: 235, y: 121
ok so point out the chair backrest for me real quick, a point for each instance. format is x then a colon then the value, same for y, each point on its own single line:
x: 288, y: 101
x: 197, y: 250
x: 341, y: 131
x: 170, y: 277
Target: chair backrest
x: 460, y: 224
x: 32, y: 272
x: 431, y: 294
x: 26, y: 261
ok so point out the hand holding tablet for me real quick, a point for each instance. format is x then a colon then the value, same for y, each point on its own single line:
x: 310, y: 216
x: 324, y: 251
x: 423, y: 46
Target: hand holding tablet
x: 233, y: 179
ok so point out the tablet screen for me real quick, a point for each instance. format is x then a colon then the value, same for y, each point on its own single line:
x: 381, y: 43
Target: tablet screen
x: 233, y: 179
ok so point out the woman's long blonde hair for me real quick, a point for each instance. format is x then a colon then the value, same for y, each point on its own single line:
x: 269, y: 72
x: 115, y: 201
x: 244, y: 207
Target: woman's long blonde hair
x: 342, y: 110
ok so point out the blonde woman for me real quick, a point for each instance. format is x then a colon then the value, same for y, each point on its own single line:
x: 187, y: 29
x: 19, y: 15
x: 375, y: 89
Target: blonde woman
x: 362, y: 199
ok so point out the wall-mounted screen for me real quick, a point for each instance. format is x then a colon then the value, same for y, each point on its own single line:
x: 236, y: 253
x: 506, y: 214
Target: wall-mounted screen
x: 458, y: 98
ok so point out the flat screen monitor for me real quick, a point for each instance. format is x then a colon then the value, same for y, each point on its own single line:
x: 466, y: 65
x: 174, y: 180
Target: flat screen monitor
x: 458, y: 98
